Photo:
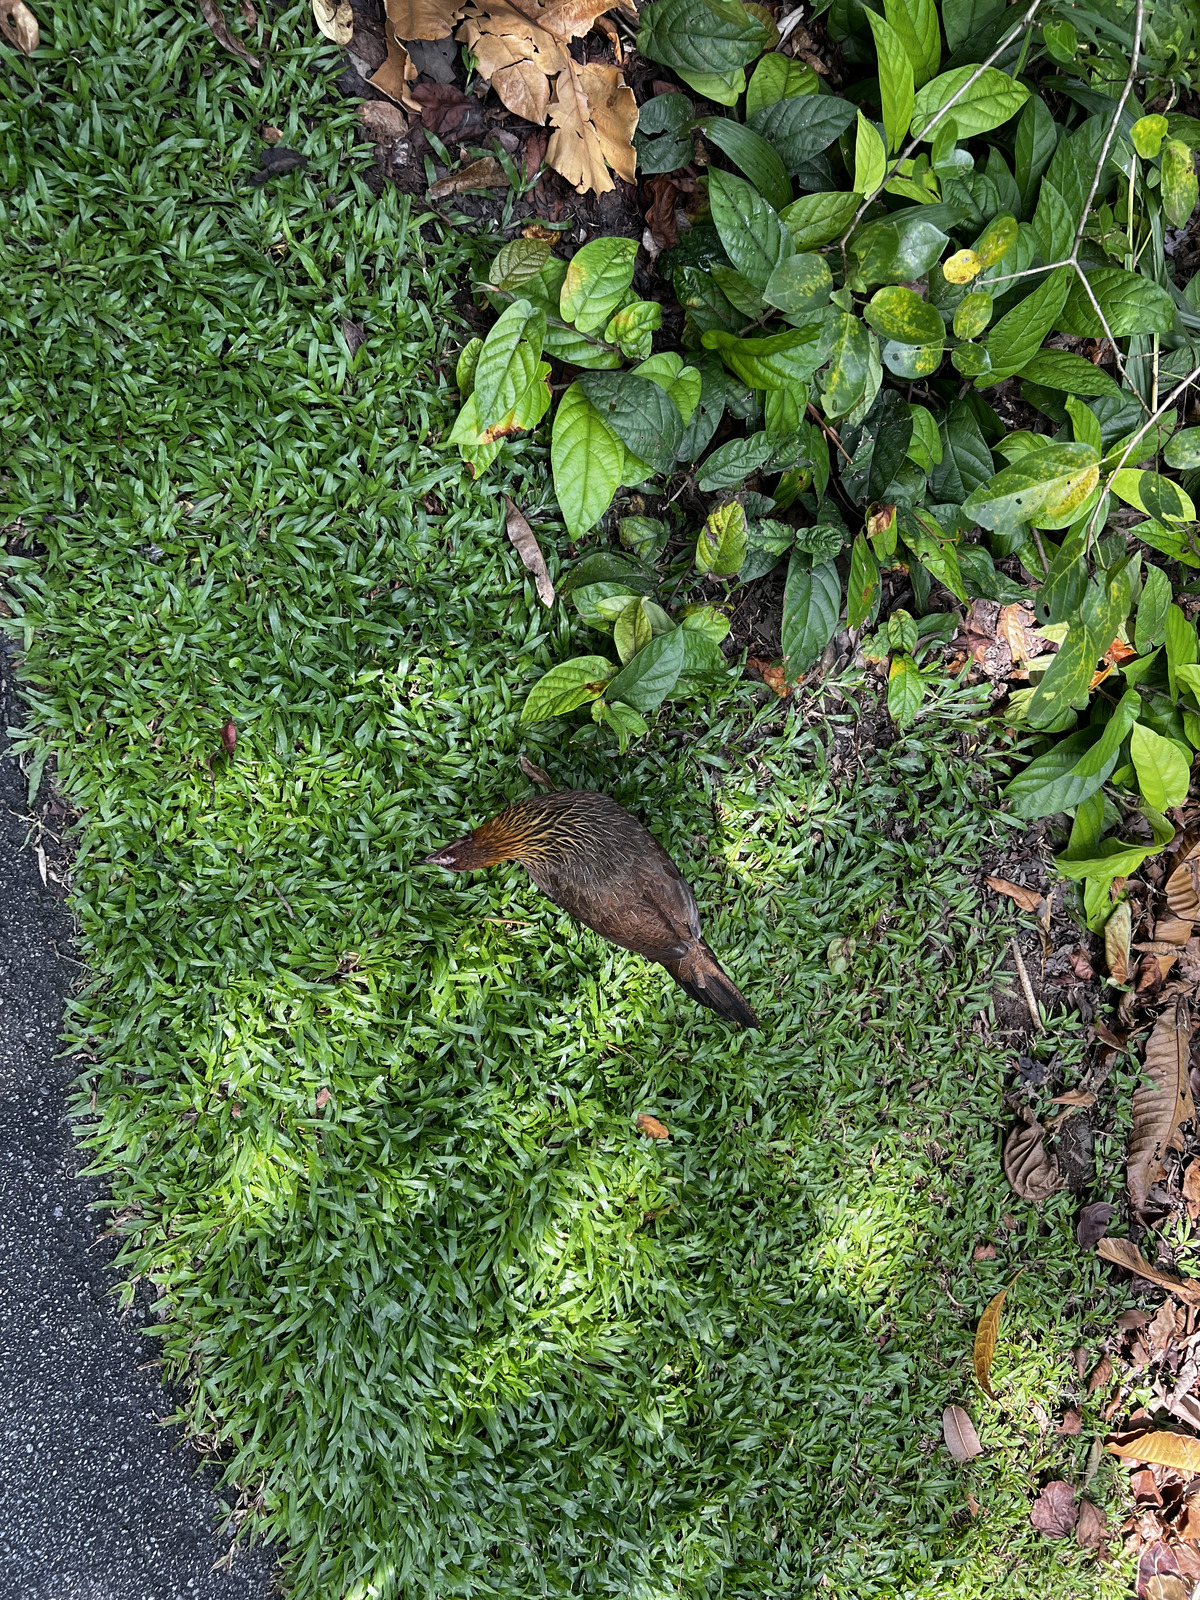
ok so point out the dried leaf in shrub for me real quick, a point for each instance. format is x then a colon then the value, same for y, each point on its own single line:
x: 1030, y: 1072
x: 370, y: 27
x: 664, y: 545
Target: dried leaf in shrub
x: 959, y: 1433
x: 1091, y: 1526
x: 1176, y: 1450
x: 1118, y: 931
x: 1124, y: 1254
x: 1101, y: 1375
x: 1054, y: 1511
x: 985, y: 1337
x: 1158, y: 1109
x: 652, y: 1127
x: 397, y: 75
x: 1093, y: 1223
x: 1032, y: 1173
x: 1027, y: 899
x: 1183, y: 887
x: 528, y: 549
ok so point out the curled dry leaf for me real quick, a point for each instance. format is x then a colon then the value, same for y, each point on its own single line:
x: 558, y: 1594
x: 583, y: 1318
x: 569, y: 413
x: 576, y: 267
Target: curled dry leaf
x: 1118, y: 931
x: 1027, y: 899
x: 211, y: 11
x: 19, y: 25
x: 1160, y: 1107
x: 1173, y: 930
x: 1093, y: 1223
x: 1071, y: 1422
x: 1091, y: 1526
x: 335, y: 20
x: 1191, y: 1189
x: 652, y: 1127
x: 1101, y: 1375
x: 959, y: 1433
x: 1015, y: 625
x: 1081, y: 966
x: 1075, y: 1097
x: 772, y: 674
x: 1177, y: 1450
x: 1054, y: 1511
x: 1183, y: 887
x: 534, y: 773
x: 527, y: 547
x: 486, y: 173
x: 1124, y: 1254
x: 985, y: 1337
x: 383, y: 121
x: 1032, y: 1173
x: 984, y: 1252
x: 229, y: 737
x: 397, y: 74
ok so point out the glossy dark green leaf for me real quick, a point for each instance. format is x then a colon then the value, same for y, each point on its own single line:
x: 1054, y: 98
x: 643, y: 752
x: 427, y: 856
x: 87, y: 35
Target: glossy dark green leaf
x: 728, y: 467
x: 799, y: 286
x: 779, y: 361
x: 1062, y: 369
x: 863, y: 590
x: 898, y: 249
x: 966, y: 460
x: 1153, y: 604
x: 647, y: 680
x: 753, y: 156
x: 641, y: 414
x: 701, y: 36
x: 706, y: 418
x: 816, y: 219
x: 1016, y: 339
x: 1131, y: 304
x: 812, y: 603
x: 800, y: 128
x: 1050, y: 784
x: 754, y: 238
x: 663, y: 139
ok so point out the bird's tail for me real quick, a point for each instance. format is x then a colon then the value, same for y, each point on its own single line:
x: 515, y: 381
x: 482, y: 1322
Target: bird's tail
x: 699, y: 974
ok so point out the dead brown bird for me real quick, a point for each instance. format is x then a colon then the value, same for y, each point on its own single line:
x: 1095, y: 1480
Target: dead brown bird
x: 599, y: 864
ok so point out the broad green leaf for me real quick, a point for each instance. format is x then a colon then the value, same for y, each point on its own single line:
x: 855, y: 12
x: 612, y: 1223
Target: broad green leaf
x: 480, y: 446
x: 870, y: 157
x: 600, y: 604
x: 1085, y: 424
x: 669, y: 116
x: 706, y: 418
x: 596, y: 280
x: 588, y: 462
x: 1147, y: 135
x: 729, y: 466
x: 647, y: 680
x: 1044, y: 487
x: 812, y: 603
x: 995, y: 242
x: 972, y: 360
x: 1154, y: 494
x: 911, y: 361
x: 1060, y: 369
x: 1130, y: 303
x: 862, y: 597
x: 906, y: 690
x: 967, y: 20
x: 1162, y: 771
x: 705, y: 619
x: 607, y: 566
x: 801, y: 127
x: 577, y: 350
x: 751, y: 154
x: 631, y: 630
x: 517, y: 262
x: 1155, y: 598
x: 799, y: 286
x: 916, y: 22
x: 464, y: 372
x: 505, y: 364
x: 897, y: 249
x: 645, y: 536
x: 966, y: 460
x: 777, y: 77
x: 1182, y: 452
x: 779, y: 361
x: 1061, y: 40
x: 721, y: 546
x: 1178, y: 182
x: 927, y: 541
x: 1180, y: 638
x: 895, y: 85
x: 632, y: 328
x: 683, y: 384
x: 816, y: 219
x: 902, y: 632
x: 925, y: 446
x: 1050, y: 783
x: 1114, y: 860
x: 1017, y: 337
x: 990, y: 100
x: 740, y: 292
x: 1173, y: 542
x: 701, y: 36
x: 1037, y: 136
x: 750, y: 230
x: 1099, y: 758
x: 845, y: 379
x: 566, y: 687
x: 641, y: 414
x: 902, y: 315
x: 723, y: 88
x: 1053, y: 223
x: 973, y: 315
x: 622, y: 718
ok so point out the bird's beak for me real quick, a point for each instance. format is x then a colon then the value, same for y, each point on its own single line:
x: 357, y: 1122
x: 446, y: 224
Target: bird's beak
x: 439, y: 858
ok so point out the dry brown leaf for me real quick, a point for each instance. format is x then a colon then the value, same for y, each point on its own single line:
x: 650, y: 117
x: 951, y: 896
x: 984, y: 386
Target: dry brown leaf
x: 1165, y: 1586
x: 1054, y: 1511
x: 1173, y: 930
x: 1093, y: 1223
x: 211, y: 11
x: 396, y: 74
x: 1183, y: 887
x: 1160, y: 1107
x: 1124, y: 1254
x: 984, y: 1252
x: 1161, y: 1329
x: 19, y: 25
x: 1090, y: 1529
x: 1176, y: 1450
x: 1081, y: 966
x: 1118, y: 931
x: 383, y: 120
x: 1015, y: 625
x: 1191, y: 1189
x: 534, y: 773
x: 335, y: 20
x: 1071, y: 1422
x: 985, y: 1336
x: 772, y: 674
x: 486, y: 173
x: 1027, y: 899
x: 652, y: 1127
x: 614, y: 116
x: 1033, y: 1174
x: 1101, y: 1375
x: 972, y: 1505
x: 526, y: 546
x: 1075, y: 1097
x: 423, y: 19
x: 959, y: 1433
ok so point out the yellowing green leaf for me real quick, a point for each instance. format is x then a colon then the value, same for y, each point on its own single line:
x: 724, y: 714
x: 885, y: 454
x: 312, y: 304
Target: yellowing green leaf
x: 902, y: 315
x: 597, y: 277
x: 870, y: 157
x: 895, y: 83
x: 721, y: 547
x: 992, y: 98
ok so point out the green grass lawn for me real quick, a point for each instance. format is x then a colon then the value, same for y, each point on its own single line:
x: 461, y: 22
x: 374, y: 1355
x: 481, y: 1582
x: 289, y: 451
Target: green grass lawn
x: 454, y: 1326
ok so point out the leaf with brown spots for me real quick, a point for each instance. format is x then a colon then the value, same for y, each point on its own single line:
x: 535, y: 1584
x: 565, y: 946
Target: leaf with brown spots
x: 1160, y: 1107
x: 1027, y: 899
x: 1054, y: 1511
x: 652, y: 1127
x: 1124, y: 1254
x: 959, y: 1433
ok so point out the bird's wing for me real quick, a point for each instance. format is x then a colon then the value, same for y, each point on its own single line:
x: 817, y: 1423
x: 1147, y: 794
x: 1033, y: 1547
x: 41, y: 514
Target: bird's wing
x: 649, y: 909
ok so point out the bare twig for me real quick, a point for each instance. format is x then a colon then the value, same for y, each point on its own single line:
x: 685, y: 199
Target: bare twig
x: 1026, y: 987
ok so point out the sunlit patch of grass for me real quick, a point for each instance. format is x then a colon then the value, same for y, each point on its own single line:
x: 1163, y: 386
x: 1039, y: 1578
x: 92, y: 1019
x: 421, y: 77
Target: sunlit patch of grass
x: 459, y: 1329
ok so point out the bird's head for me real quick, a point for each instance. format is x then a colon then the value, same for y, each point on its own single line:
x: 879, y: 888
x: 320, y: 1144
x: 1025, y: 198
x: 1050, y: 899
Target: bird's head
x: 486, y: 847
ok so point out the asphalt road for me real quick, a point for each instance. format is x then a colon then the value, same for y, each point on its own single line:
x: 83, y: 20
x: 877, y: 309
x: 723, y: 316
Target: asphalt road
x: 98, y: 1501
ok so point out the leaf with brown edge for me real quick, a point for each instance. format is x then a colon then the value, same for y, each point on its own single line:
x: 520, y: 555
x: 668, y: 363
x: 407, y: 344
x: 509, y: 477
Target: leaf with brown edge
x: 527, y: 547
x: 1054, y: 1511
x: 985, y: 1337
x: 1183, y: 887
x: 1027, y: 899
x: 959, y: 1433
x: 1032, y: 1172
x: 1124, y: 1254
x: 1177, y: 1450
x: 652, y: 1127
x: 1160, y: 1106
x: 1118, y: 931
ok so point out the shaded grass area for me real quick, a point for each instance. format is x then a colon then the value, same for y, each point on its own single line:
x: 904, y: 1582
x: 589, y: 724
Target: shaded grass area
x: 454, y: 1326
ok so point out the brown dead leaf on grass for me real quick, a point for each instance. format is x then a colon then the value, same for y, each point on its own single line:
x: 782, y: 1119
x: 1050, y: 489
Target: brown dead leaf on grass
x: 1093, y: 1223
x: 20, y: 27
x: 1027, y: 899
x: 986, y: 1334
x: 1124, y: 1254
x: 1191, y: 1189
x: 447, y: 112
x: 527, y: 547
x: 1160, y: 1107
x: 1091, y: 1526
x: 383, y: 121
x: 1071, y: 1422
x: 487, y: 173
x: 1101, y: 1375
x: 1183, y: 887
x: 534, y: 773
x: 395, y: 78
x: 652, y: 1127
x: 772, y: 674
x: 1177, y: 1450
x: 959, y: 1433
x: 1033, y: 1173
x: 211, y: 11
x: 1118, y: 931
x: 1054, y: 1511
